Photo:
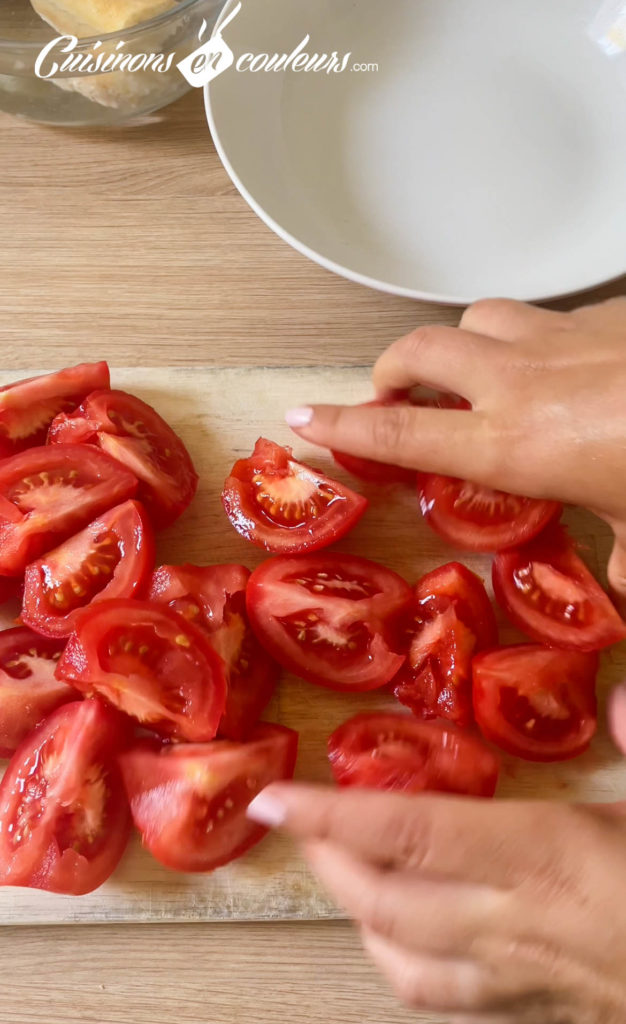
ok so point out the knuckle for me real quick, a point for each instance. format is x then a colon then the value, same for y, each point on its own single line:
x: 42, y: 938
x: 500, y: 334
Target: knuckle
x: 411, y: 348
x: 484, y: 312
x: 378, y: 914
x: 391, y: 428
x: 410, y: 988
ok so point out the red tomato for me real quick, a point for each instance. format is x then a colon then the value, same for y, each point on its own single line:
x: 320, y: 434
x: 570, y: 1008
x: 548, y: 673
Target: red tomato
x: 549, y: 593
x: 28, y: 407
x: 29, y: 689
x: 64, y: 820
x: 476, y: 518
x: 214, y: 598
x: 331, y: 619
x: 536, y: 702
x: 453, y: 619
x: 9, y: 588
x: 386, y: 751
x: 370, y: 470
x: 150, y: 663
x: 282, y: 505
x: 134, y: 434
x: 189, y: 801
x: 47, y: 494
x: 112, y: 557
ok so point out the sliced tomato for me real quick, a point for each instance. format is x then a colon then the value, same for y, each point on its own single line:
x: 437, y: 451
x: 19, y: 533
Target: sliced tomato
x: 214, y: 598
x: 112, y: 557
x: 285, y: 506
x: 536, y: 702
x: 133, y: 433
x: 332, y: 619
x: 29, y: 689
x: 475, y: 518
x: 150, y: 663
x: 549, y: 593
x: 9, y: 588
x: 28, y: 407
x: 189, y: 802
x: 452, y: 619
x: 47, y: 494
x: 370, y: 470
x: 64, y: 818
x: 386, y: 751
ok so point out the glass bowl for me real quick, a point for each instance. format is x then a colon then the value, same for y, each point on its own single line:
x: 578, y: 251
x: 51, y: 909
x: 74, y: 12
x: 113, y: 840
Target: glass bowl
x: 113, y: 97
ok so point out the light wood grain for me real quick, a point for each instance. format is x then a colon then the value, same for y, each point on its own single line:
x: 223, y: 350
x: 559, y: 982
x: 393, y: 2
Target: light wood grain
x: 221, y: 412
x: 88, y: 271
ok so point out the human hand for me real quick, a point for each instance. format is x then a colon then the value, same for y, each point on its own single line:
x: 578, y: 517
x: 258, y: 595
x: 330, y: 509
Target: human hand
x: 548, y: 415
x: 500, y: 912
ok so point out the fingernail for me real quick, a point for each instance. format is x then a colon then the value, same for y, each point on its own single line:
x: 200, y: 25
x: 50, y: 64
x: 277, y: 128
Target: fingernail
x: 299, y: 417
x: 267, y: 810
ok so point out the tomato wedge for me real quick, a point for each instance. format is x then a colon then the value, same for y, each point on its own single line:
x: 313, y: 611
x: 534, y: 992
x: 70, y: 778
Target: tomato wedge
x: 150, y: 663
x: 29, y: 689
x: 214, y: 598
x: 64, y: 818
x: 47, y: 494
x: 475, y: 518
x: 333, y: 619
x: 549, y: 593
x: 370, y: 470
x: 28, y: 407
x: 536, y: 702
x: 452, y: 619
x: 189, y: 802
x: 133, y: 433
x: 285, y: 506
x: 386, y: 751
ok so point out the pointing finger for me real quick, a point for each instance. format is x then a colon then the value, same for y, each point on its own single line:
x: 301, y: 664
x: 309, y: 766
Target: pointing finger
x: 446, y: 441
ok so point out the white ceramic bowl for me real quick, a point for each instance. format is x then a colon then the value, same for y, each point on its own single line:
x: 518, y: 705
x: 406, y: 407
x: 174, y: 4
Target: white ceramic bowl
x: 486, y: 156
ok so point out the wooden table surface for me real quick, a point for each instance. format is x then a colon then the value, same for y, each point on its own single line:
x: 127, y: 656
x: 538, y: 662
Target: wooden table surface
x: 133, y: 246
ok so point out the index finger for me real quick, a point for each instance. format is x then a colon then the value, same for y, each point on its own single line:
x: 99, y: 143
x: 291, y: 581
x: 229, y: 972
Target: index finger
x: 439, y: 836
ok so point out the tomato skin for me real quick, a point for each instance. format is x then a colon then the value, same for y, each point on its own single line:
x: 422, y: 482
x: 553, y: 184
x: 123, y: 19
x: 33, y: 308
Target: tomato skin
x: 151, y: 664
x: 536, y: 702
x: 29, y: 689
x: 132, y: 432
x: 121, y: 560
x: 64, y: 817
x: 48, y: 494
x: 369, y: 469
x: 452, y: 619
x: 9, y: 588
x: 285, y: 506
x: 446, y: 505
x: 213, y: 598
x: 549, y: 593
x: 28, y: 407
x: 189, y: 801
x: 299, y: 594
x: 397, y: 752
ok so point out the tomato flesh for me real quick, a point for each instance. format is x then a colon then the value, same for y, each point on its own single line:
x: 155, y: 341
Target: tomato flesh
x: 333, y: 619
x: 369, y: 469
x: 150, y: 663
x: 110, y: 558
x: 133, y: 433
x: 189, y: 802
x: 549, y: 593
x: 29, y: 689
x: 64, y: 818
x: 9, y: 588
x: 284, y: 506
x: 476, y: 518
x: 28, y: 407
x: 47, y: 494
x: 452, y: 619
x: 213, y: 598
x: 536, y: 702
x: 398, y: 752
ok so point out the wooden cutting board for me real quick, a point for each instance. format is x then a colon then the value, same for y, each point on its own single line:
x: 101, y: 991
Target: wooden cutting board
x: 220, y: 413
